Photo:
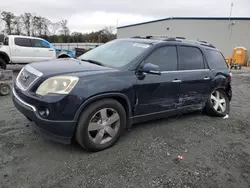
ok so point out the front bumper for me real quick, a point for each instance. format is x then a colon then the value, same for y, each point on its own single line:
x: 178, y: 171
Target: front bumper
x: 59, y: 131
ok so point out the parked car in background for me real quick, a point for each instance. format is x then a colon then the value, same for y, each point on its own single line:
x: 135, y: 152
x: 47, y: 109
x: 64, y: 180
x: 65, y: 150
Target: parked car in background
x: 94, y: 98
x: 23, y: 49
x: 64, y: 53
x: 17, y: 49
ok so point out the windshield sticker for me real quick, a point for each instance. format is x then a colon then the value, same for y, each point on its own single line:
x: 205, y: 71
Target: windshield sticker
x: 141, y: 45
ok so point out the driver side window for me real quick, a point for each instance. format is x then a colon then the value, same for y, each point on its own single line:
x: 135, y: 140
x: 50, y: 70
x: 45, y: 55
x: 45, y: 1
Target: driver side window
x: 165, y: 58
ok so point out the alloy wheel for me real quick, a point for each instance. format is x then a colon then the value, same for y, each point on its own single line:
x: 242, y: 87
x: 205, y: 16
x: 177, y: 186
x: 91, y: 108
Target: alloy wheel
x: 103, y: 126
x: 219, y: 102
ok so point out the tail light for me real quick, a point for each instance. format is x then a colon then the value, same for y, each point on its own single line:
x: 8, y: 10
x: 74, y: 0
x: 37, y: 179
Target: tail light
x: 230, y: 76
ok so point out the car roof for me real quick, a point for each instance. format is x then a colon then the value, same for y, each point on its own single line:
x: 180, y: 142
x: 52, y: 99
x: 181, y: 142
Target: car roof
x: 22, y: 36
x: 172, y: 40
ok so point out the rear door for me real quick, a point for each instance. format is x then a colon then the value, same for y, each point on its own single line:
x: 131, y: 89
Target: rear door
x: 22, y: 51
x: 157, y: 93
x: 194, y: 76
x: 42, y: 50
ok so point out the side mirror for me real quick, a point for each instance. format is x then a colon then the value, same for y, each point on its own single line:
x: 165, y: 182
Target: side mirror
x: 151, y: 69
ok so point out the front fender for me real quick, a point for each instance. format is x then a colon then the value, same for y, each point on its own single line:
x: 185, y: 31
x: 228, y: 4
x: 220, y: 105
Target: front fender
x: 102, y: 96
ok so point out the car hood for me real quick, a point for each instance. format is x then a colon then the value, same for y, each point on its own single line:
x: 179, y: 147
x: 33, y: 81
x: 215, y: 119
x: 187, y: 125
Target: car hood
x: 66, y: 66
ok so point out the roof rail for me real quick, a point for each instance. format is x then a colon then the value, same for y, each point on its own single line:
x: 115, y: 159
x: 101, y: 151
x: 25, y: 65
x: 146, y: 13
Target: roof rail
x: 178, y: 39
x: 204, y: 43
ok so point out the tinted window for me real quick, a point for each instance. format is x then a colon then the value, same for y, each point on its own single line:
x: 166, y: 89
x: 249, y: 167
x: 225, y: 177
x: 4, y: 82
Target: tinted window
x: 216, y: 60
x: 40, y: 43
x: 165, y: 58
x: 6, y: 41
x: 22, y: 42
x: 191, y: 58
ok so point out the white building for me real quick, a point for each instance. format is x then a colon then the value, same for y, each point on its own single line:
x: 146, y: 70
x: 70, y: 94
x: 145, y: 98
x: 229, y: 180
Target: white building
x: 223, y: 33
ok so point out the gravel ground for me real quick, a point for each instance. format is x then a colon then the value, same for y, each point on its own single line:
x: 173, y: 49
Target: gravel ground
x: 216, y: 152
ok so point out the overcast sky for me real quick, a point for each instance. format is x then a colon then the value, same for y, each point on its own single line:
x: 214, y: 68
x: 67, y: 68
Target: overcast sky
x: 88, y: 15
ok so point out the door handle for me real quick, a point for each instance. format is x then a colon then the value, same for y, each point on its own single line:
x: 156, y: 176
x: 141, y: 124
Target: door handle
x: 206, y: 78
x: 176, y: 81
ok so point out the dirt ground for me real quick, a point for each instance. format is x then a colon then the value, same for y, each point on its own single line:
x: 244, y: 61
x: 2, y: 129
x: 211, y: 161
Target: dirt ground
x: 216, y: 152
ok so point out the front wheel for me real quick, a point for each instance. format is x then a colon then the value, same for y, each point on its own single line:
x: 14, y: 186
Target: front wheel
x: 4, y: 89
x: 218, y: 104
x: 101, y: 125
x: 2, y: 64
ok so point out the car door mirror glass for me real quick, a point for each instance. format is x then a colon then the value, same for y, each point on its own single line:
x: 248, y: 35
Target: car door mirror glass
x: 151, y: 69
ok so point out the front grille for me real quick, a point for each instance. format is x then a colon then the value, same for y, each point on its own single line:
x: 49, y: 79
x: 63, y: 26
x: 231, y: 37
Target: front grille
x: 27, y: 77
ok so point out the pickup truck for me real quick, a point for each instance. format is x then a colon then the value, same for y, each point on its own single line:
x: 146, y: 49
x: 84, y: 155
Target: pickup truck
x: 17, y: 49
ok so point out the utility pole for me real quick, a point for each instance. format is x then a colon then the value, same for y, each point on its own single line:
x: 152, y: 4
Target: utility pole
x: 117, y: 20
x: 230, y: 26
x: 231, y: 10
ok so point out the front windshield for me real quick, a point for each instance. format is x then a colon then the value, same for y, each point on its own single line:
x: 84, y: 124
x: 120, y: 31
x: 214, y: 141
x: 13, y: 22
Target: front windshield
x: 116, y: 53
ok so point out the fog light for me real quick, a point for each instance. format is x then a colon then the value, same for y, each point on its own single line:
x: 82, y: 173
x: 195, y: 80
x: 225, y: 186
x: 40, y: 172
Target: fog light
x: 44, y: 112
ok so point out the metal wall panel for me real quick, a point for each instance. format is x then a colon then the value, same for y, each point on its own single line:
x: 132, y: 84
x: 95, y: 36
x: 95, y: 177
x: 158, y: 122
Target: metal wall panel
x: 220, y: 33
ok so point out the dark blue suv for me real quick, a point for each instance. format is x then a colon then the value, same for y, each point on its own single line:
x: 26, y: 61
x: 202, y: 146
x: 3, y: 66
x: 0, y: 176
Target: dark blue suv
x: 94, y: 98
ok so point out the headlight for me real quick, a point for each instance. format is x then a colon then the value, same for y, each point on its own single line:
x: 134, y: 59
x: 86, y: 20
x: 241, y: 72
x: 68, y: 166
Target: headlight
x: 58, y: 85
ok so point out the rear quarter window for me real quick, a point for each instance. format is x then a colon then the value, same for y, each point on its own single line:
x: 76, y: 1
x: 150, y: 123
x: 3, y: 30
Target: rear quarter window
x: 216, y: 60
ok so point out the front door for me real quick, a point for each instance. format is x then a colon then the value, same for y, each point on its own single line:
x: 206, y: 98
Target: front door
x: 43, y: 50
x: 22, y: 51
x: 157, y: 93
x: 195, y: 77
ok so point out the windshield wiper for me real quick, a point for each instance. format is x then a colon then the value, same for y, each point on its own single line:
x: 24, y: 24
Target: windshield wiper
x: 93, y: 62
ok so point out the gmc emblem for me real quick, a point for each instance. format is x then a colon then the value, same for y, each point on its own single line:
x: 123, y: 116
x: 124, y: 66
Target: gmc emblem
x: 24, y: 77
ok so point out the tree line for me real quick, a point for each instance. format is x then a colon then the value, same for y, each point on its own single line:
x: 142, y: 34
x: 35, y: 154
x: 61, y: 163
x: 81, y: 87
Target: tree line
x: 39, y: 26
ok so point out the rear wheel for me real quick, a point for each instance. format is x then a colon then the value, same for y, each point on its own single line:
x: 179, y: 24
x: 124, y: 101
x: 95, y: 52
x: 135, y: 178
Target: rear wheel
x: 218, y: 104
x: 2, y: 64
x: 101, y: 125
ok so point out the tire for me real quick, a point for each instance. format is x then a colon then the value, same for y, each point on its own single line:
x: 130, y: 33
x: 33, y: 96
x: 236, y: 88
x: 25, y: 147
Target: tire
x: 210, y: 105
x: 2, y: 64
x: 4, y: 89
x: 87, y: 138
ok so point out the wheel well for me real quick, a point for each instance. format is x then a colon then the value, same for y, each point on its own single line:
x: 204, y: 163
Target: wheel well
x: 5, y: 57
x: 120, y: 99
x: 63, y: 56
x: 225, y: 90
x: 124, y: 103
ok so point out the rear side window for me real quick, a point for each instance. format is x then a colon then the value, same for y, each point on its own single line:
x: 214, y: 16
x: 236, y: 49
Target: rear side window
x: 40, y: 43
x: 23, y: 42
x: 165, y: 58
x: 216, y: 60
x: 191, y: 58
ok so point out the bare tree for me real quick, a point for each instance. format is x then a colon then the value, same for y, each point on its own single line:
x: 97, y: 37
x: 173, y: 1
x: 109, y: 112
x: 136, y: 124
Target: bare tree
x: 64, y: 29
x: 8, y: 17
x: 36, y: 26
x: 54, y: 28
x: 17, y: 25
x: 27, y: 18
x: 45, y: 26
x: 109, y: 29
